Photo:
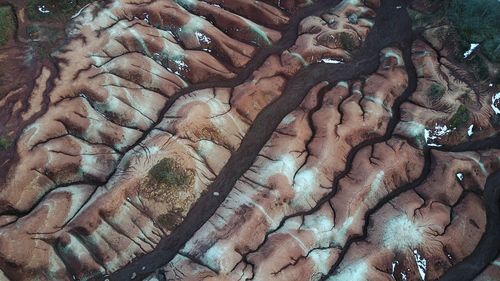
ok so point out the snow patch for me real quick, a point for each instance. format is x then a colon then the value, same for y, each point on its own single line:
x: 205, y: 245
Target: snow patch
x: 432, y: 136
x: 494, y: 100
x: 2, y: 276
x: 152, y: 150
x: 181, y: 66
x: 79, y: 12
x: 320, y: 259
x: 89, y: 164
x: 473, y: 46
x: 413, y: 128
x: 343, y: 84
x: 333, y: 61
x: 379, y: 178
x: 187, y: 3
x: 212, y: 258
x: 479, y: 163
x: 375, y: 186
x: 402, y: 233
x: 99, y: 61
x: 43, y: 9
x: 202, y: 38
x: 288, y: 120
x: 205, y: 148
x: 319, y: 224
x: 217, y: 107
x: 285, y: 165
x: 470, y: 130
x: 394, y: 264
x: 460, y: 176
x: 351, y: 272
x: 421, y: 263
x: 390, y: 53
x: 299, y: 57
x: 341, y: 234
x: 304, y: 184
x: 146, y: 18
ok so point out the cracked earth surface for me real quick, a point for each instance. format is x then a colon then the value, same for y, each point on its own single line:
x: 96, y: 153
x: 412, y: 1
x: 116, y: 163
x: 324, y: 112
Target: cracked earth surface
x: 249, y: 140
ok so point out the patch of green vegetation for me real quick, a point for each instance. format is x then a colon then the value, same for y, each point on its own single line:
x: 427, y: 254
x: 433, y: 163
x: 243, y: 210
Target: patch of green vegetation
x: 421, y: 19
x: 347, y: 41
x: 7, y: 24
x: 477, y: 21
x: 460, y: 118
x: 436, y: 92
x: 59, y: 10
x: 5, y: 143
x: 170, y: 220
x: 170, y: 173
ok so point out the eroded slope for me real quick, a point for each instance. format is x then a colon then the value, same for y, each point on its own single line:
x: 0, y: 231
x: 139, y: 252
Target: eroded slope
x: 231, y: 140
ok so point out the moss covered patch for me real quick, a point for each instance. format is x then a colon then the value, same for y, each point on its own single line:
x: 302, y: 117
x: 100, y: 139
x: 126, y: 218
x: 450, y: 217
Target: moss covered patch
x: 436, y: 92
x: 421, y: 19
x: 5, y: 143
x: 58, y: 10
x: 166, y: 180
x: 170, y: 173
x: 347, y: 41
x: 7, y: 24
x: 170, y: 220
x: 460, y: 118
x: 209, y: 133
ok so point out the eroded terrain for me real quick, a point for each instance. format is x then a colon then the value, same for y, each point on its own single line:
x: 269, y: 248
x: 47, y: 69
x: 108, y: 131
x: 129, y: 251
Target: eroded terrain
x: 247, y: 140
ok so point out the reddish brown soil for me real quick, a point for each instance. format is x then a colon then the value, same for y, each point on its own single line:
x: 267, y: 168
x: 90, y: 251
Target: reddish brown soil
x: 245, y: 140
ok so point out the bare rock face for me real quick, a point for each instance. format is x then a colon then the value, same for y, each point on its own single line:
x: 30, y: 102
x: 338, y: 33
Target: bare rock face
x: 246, y: 140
